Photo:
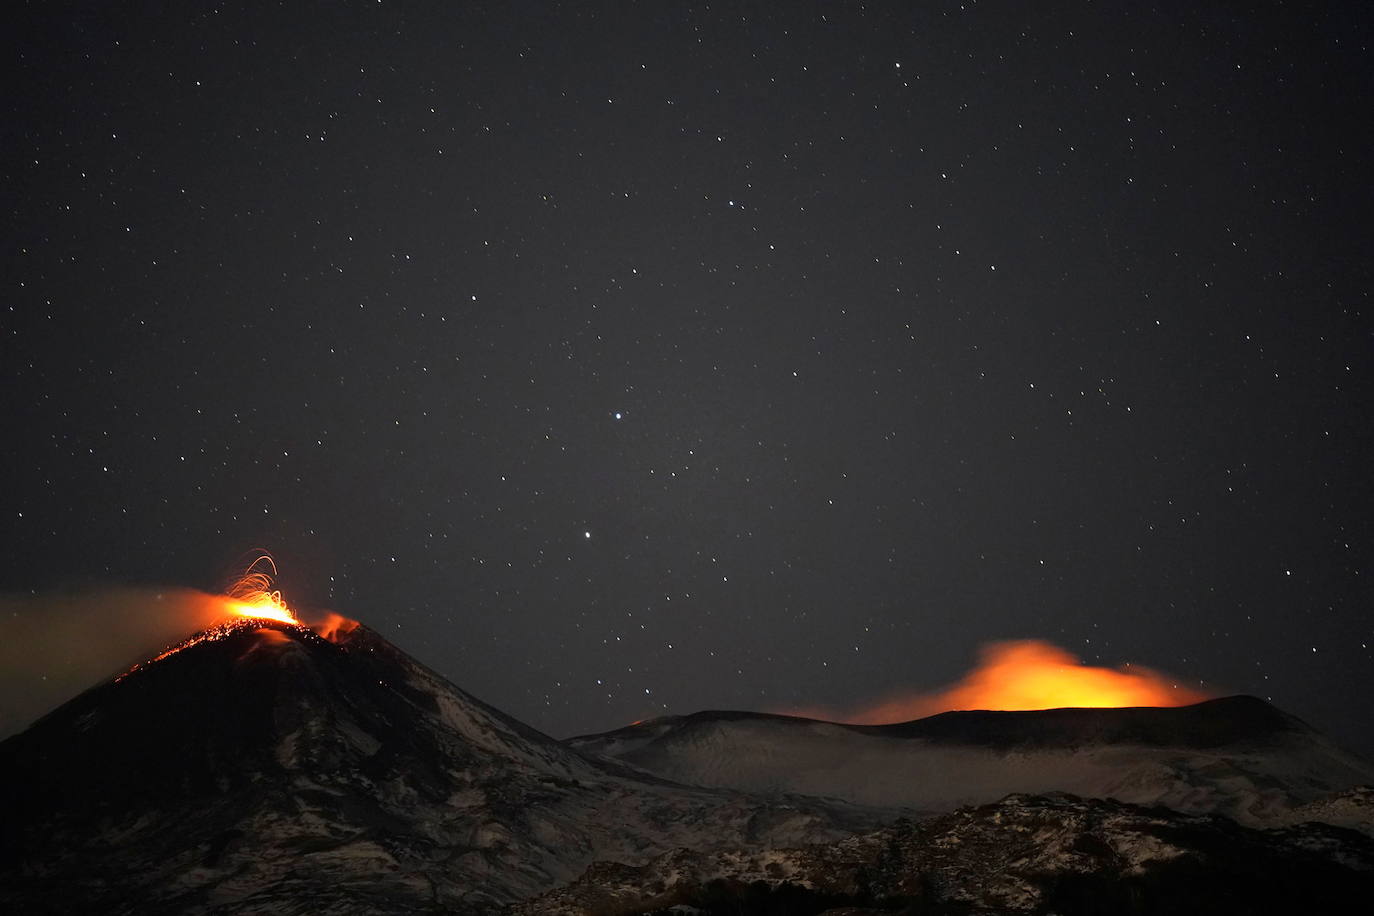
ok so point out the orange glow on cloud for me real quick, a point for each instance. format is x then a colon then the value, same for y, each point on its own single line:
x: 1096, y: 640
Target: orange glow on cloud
x: 1028, y: 674
x: 334, y: 626
x: 48, y: 653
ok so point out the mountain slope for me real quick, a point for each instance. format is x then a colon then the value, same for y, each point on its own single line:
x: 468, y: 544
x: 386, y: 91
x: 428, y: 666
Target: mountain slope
x: 1025, y: 854
x: 1238, y: 756
x: 265, y: 769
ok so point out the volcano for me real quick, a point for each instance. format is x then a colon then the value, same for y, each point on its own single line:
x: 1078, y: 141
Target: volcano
x: 1237, y: 756
x: 263, y: 768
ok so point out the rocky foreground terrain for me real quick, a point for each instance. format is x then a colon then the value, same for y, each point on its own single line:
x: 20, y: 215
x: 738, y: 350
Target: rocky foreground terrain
x: 1025, y: 854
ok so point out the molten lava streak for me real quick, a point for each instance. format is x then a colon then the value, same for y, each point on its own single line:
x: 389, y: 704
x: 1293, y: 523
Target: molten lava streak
x: 253, y: 596
x: 249, y: 602
x: 253, y: 603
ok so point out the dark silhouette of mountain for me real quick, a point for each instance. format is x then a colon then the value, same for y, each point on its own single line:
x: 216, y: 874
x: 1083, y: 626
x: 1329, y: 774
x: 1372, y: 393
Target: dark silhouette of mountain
x: 260, y: 768
x: 1238, y: 721
x: 1237, y: 755
x: 266, y: 769
x: 1231, y: 721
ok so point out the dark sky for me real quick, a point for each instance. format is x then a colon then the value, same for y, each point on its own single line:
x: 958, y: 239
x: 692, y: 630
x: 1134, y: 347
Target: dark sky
x: 624, y: 358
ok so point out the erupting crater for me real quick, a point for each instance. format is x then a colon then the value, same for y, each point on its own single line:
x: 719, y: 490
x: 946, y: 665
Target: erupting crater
x: 253, y: 601
x: 252, y: 595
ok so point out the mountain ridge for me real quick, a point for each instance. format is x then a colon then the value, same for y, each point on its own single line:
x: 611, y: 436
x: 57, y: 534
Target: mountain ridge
x: 1234, y: 755
x: 1222, y: 720
x: 268, y: 769
x: 261, y: 768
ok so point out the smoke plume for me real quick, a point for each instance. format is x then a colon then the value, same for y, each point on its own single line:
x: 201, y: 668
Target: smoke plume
x: 1025, y: 674
x: 53, y: 646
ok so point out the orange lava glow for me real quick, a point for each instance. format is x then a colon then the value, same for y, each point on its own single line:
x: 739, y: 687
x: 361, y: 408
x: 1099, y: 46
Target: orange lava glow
x: 1028, y: 674
x: 223, y: 628
x: 334, y: 627
x: 253, y: 596
x: 251, y: 600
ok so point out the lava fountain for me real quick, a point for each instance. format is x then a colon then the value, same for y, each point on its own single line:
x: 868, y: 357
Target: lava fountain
x: 251, y: 601
x: 253, y: 596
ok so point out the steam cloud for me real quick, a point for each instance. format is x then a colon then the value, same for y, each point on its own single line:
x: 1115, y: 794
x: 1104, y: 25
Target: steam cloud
x: 53, y: 646
x: 1025, y: 674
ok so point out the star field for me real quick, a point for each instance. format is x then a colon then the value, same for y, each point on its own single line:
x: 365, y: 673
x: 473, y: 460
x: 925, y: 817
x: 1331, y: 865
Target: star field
x: 622, y: 359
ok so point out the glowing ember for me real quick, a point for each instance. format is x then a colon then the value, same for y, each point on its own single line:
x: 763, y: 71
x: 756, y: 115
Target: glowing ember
x: 229, y: 625
x: 253, y: 596
x: 250, y: 601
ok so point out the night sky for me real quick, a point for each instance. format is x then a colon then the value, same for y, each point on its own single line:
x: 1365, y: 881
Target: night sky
x: 617, y: 359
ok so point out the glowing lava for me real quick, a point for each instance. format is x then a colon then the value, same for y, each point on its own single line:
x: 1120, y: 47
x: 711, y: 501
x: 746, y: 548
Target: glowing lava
x: 249, y: 602
x: 253, y: 596
x: 1030, y: 674
x: 1027, y: 674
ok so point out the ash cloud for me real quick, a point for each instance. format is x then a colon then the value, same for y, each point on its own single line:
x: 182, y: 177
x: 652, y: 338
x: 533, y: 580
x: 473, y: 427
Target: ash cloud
x: 55, y: 645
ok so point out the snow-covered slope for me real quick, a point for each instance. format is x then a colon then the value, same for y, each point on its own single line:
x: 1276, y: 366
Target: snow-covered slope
x: 1353, y: 808
x: 1238, y: 756
x: 1025, y: 854
x: 267, y: 770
